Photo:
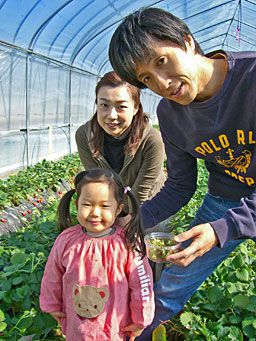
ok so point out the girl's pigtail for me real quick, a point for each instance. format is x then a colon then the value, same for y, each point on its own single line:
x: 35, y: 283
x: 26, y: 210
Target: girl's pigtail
x: 64, y: 219
x: 133, y: 230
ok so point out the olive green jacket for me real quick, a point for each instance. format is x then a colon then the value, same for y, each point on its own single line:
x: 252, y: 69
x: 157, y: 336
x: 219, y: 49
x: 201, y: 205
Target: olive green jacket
x: 142, y: 170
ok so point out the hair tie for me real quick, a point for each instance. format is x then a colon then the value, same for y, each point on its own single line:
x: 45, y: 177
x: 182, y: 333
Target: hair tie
x: 127, y: 189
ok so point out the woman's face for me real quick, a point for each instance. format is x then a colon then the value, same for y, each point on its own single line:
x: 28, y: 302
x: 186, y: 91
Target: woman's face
x: 115, y: 109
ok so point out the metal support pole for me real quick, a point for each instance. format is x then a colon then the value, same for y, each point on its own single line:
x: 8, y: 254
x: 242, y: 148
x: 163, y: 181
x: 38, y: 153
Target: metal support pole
x: 27, y: 109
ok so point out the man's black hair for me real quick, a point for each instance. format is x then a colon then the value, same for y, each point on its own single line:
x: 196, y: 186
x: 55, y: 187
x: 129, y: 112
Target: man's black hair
x: 131, y: 43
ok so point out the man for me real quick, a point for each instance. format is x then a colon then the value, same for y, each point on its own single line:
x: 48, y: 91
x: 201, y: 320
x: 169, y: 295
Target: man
x: 208, y: 111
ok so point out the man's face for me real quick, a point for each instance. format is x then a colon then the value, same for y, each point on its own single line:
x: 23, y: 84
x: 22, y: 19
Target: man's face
x: 172, y: 72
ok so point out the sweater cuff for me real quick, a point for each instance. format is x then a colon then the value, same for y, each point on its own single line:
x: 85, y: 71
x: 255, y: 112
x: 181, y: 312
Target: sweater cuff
x: 224, y: 230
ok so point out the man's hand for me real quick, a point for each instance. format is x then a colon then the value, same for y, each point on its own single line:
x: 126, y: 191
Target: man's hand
x: 57, y: 315
x: 204, y: 239
x: 133, y: 330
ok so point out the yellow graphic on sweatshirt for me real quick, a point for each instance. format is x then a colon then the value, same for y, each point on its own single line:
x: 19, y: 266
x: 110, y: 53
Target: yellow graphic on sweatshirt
x: 233, y: 166
x: 240, y: 163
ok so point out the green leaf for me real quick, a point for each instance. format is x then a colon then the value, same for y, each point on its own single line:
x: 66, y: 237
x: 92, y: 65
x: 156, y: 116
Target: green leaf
x: 250, y: 331
x: 231, y: 287
x: 3, y: 325
x: 238, y: 261
x: 17, y: 280
x: 251, y: 307
x: 248, y: 326
x: 159, y: 333
x: 6, y: 286
x: 2, y: 318
x: 210, y: 306
x: 235, y: 334
x: 223, y: 331
x: 235, y: 319
x: 215, y: 294
x: 18, y: 258
x: 25, y: 322
x: 241, y: 301
x: 242, y: 275
x: 186, y: 318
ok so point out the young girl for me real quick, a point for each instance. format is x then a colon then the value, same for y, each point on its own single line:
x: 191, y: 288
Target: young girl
x: 97, y: 283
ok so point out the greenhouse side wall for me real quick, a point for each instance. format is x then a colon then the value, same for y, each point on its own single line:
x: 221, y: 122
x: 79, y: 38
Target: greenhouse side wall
x: 42, y: 103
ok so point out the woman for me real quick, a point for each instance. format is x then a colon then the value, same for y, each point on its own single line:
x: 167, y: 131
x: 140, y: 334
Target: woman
x: 120, y: 138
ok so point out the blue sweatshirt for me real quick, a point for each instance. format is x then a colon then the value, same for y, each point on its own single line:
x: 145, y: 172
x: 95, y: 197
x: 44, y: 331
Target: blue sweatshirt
x: 222, y: 132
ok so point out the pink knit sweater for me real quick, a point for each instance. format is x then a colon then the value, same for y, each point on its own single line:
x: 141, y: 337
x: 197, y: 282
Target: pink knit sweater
x: 99, y: 284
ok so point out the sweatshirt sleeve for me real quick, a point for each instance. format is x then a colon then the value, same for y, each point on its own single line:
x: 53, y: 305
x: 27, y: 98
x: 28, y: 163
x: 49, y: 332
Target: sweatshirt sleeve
x: 238, y: 222
x: 84, y: 149
x: 179, y: 186
x: 51, y: 285
x: 141, y: 289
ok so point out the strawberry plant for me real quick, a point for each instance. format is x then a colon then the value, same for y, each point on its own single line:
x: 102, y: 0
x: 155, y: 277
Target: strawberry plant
x: 35, y: 179
x: 22, y: 259
x: 224, y: 307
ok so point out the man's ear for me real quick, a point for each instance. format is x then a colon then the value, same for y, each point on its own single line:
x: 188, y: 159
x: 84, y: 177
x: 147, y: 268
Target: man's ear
x: 119, y: 209
x: 189, y: 42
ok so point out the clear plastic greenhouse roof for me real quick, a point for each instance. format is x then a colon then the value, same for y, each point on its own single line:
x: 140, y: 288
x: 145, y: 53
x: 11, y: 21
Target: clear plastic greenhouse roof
x: 77, y: 32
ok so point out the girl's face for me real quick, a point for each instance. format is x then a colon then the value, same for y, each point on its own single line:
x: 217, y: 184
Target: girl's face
x: 97, y: 207
x: 115, y: 109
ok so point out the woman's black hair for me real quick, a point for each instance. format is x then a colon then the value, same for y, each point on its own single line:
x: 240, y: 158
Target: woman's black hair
x: 133, y: 229
x: 132, y: 41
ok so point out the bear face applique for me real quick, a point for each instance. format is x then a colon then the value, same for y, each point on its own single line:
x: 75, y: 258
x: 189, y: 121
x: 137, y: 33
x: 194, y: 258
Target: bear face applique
x: 89, y: 301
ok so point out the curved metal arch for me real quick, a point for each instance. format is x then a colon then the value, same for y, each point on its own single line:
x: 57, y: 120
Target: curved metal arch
x: 242, y: 39
x: 102, y: 66
x: 96, y: 42
x: 43, y: 25
x: 95, y: 59
x: 245, y: 23
x: 3, y: 3
x: 208, y: 39
x: 81, y: 28
x: 208, y: 9
x: 93, y: 37
x: 75, y: 54
x: 86, y: 33
x: 24, y: 19
x: 67, y: 23
x: 214, y: 25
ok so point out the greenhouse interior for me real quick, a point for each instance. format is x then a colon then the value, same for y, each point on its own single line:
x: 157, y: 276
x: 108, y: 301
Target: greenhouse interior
x: 52, y: 55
